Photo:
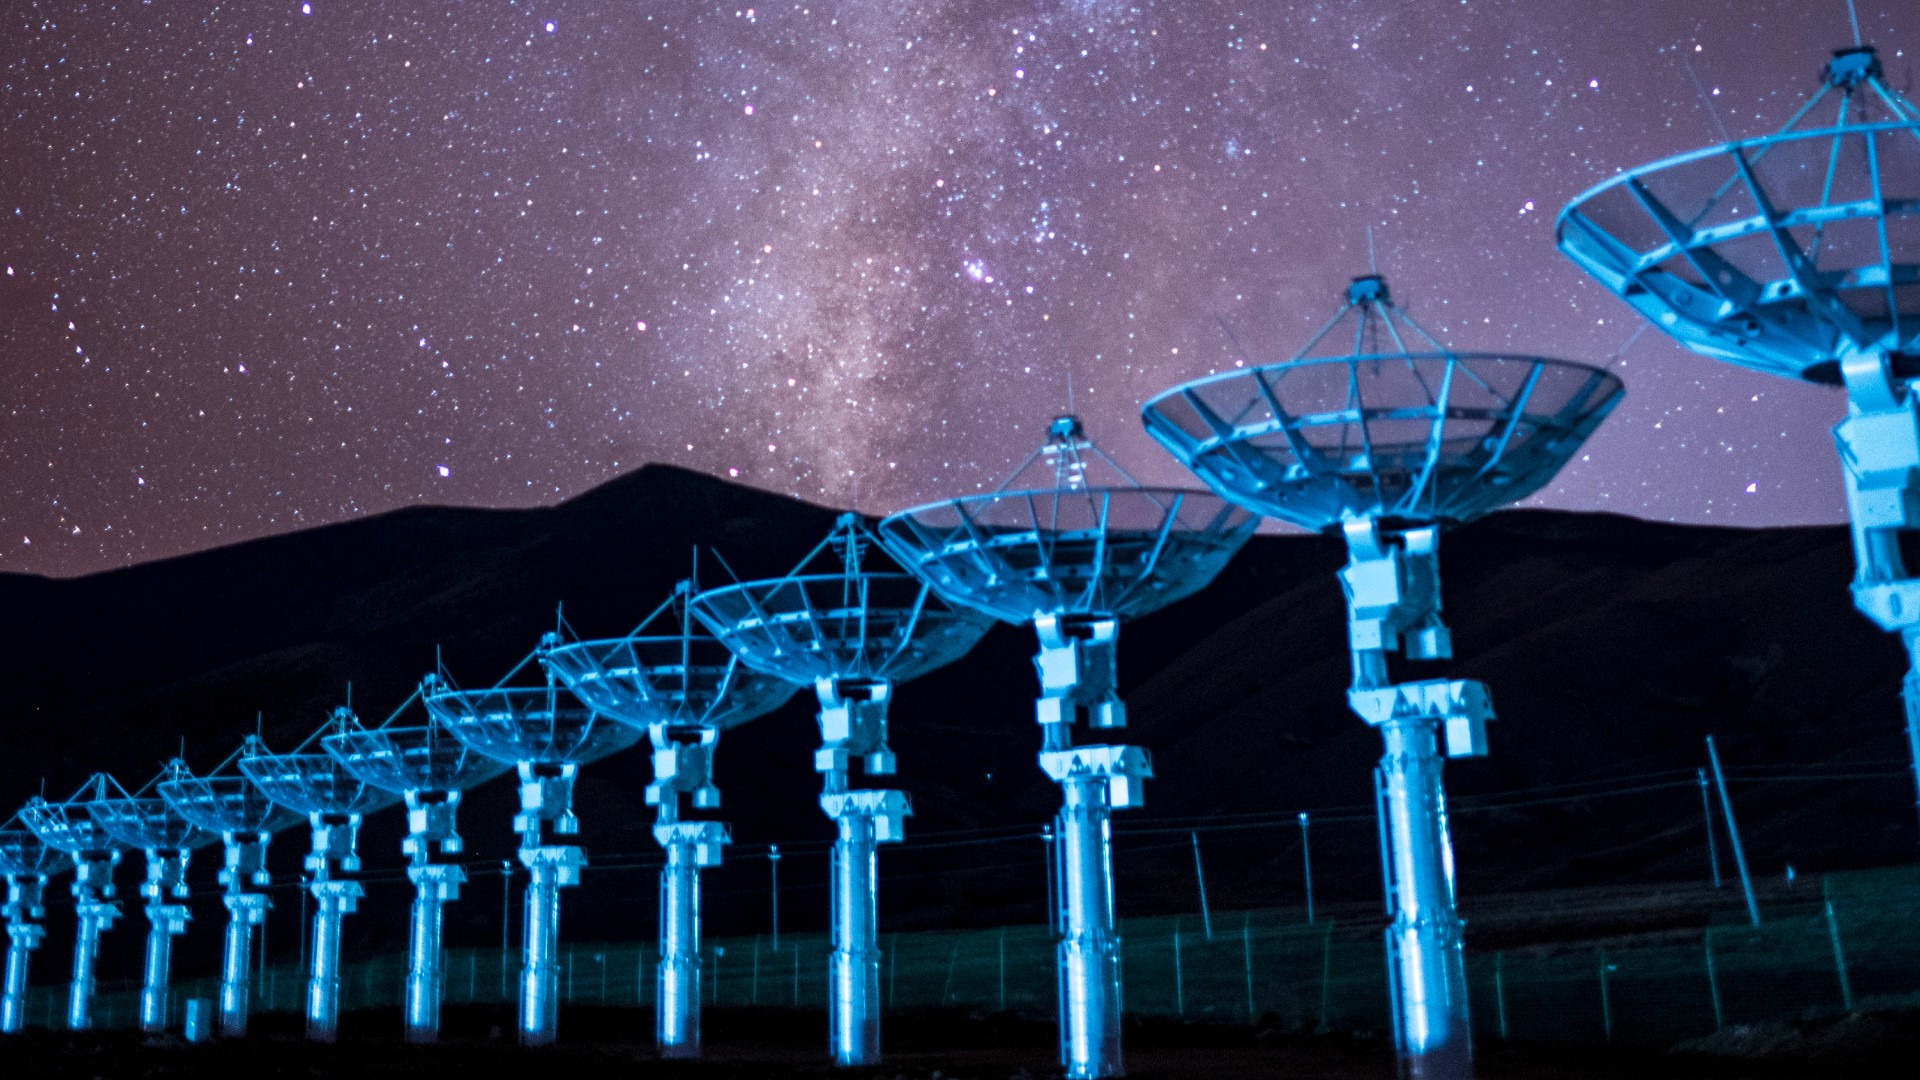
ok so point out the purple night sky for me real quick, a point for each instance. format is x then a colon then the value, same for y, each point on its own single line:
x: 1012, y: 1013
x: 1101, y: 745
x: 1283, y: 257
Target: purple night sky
x: 271, y: 265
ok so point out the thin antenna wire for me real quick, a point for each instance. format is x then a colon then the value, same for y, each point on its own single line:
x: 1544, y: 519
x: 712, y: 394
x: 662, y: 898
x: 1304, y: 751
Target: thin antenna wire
x: 1070, y: 402
x: 722, y: 560
x: 1620, y: 353
x: 1701, y: 89
x: 1233, y: 339
x: 1853, y: 17
x: 1373, y: 267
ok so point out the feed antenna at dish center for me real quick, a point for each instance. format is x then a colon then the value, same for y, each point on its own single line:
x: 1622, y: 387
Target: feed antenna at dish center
x: 427, y: 768
x: 545, y: 736
x: 852, y: 633
x: 1377, y: 431
x: 683, y: 687
x: 1797, y: 254
x: 1072, y: 550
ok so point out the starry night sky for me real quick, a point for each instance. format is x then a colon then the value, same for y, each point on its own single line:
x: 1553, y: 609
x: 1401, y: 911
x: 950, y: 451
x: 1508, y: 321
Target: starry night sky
x: 270, y: 265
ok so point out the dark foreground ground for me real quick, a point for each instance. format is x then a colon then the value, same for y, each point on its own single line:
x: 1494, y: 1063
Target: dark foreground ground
x: 779, y: 1044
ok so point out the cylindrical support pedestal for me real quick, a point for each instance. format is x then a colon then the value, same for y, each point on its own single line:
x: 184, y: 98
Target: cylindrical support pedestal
x: 423, y: 964
x: 677, y: 1015
x: 164, y: 921
x: 1425, y: 966
x: 1089, y: 948
x: 245, y: 911
x: 95, y: 918
x: 22, y: 938
x: 1910, y: 698
x: 85, y: 952
x: 540, y: 971
x: 854, y: 975
x: 334, y: 900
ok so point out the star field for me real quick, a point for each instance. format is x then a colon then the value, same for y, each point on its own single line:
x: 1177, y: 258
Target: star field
x: 269, y: 265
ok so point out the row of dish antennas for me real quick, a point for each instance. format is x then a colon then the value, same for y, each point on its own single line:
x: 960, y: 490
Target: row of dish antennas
x: 1057, y: 551
x: 1796, y: 253
x: 1377, y: 442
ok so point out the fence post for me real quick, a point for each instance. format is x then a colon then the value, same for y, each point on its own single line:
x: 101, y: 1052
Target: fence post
x: 1246, y: 957
x: 1500, y: 991
x: 1200, y: 875
x: 1733, y: 833
x: 1713, y: 984
x: 773, y: 890
x: 1606, y: 1001
x: 1179, y: 987
x: 946, y: 991
x: 1306, y: 859
x: 506, y: 925
x: 1839, y: 959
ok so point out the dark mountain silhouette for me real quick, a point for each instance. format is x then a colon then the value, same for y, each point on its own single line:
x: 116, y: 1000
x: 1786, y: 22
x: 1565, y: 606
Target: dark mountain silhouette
x: 1612, y: 647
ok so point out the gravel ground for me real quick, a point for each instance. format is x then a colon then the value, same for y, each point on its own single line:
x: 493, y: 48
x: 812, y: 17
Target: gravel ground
x: 773, y: 1045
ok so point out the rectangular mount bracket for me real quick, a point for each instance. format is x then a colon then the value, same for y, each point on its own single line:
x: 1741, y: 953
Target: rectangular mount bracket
x: 1124, y: 768
x: 705, y: 837
x: 1461, y: 706
x: 888, y: 809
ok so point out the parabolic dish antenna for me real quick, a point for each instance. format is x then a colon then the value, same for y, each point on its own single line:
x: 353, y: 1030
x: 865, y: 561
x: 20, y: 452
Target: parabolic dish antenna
x: 852, y: 632
x: 1074, y: 552
x: 546, y: 736
x: 1798, y: 254
x: 683, y: 687
x: 1379, y: 431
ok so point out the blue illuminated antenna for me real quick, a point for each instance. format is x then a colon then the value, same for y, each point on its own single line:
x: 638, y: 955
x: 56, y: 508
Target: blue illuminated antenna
x: 851, y: 632
x: 1073, y: 544
x: 146, y: 821
x: 27, y: 862
x: 428, y: 768
x: 1379, y: 432
x: 682, y: 686
x: 224, y: 803
x: 67, y: 827
x: 546, y: 736
x: 1798, y: 254
x: 315, y: 784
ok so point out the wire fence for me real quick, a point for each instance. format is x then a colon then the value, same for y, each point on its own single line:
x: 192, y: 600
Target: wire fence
x: 1853, y: 949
